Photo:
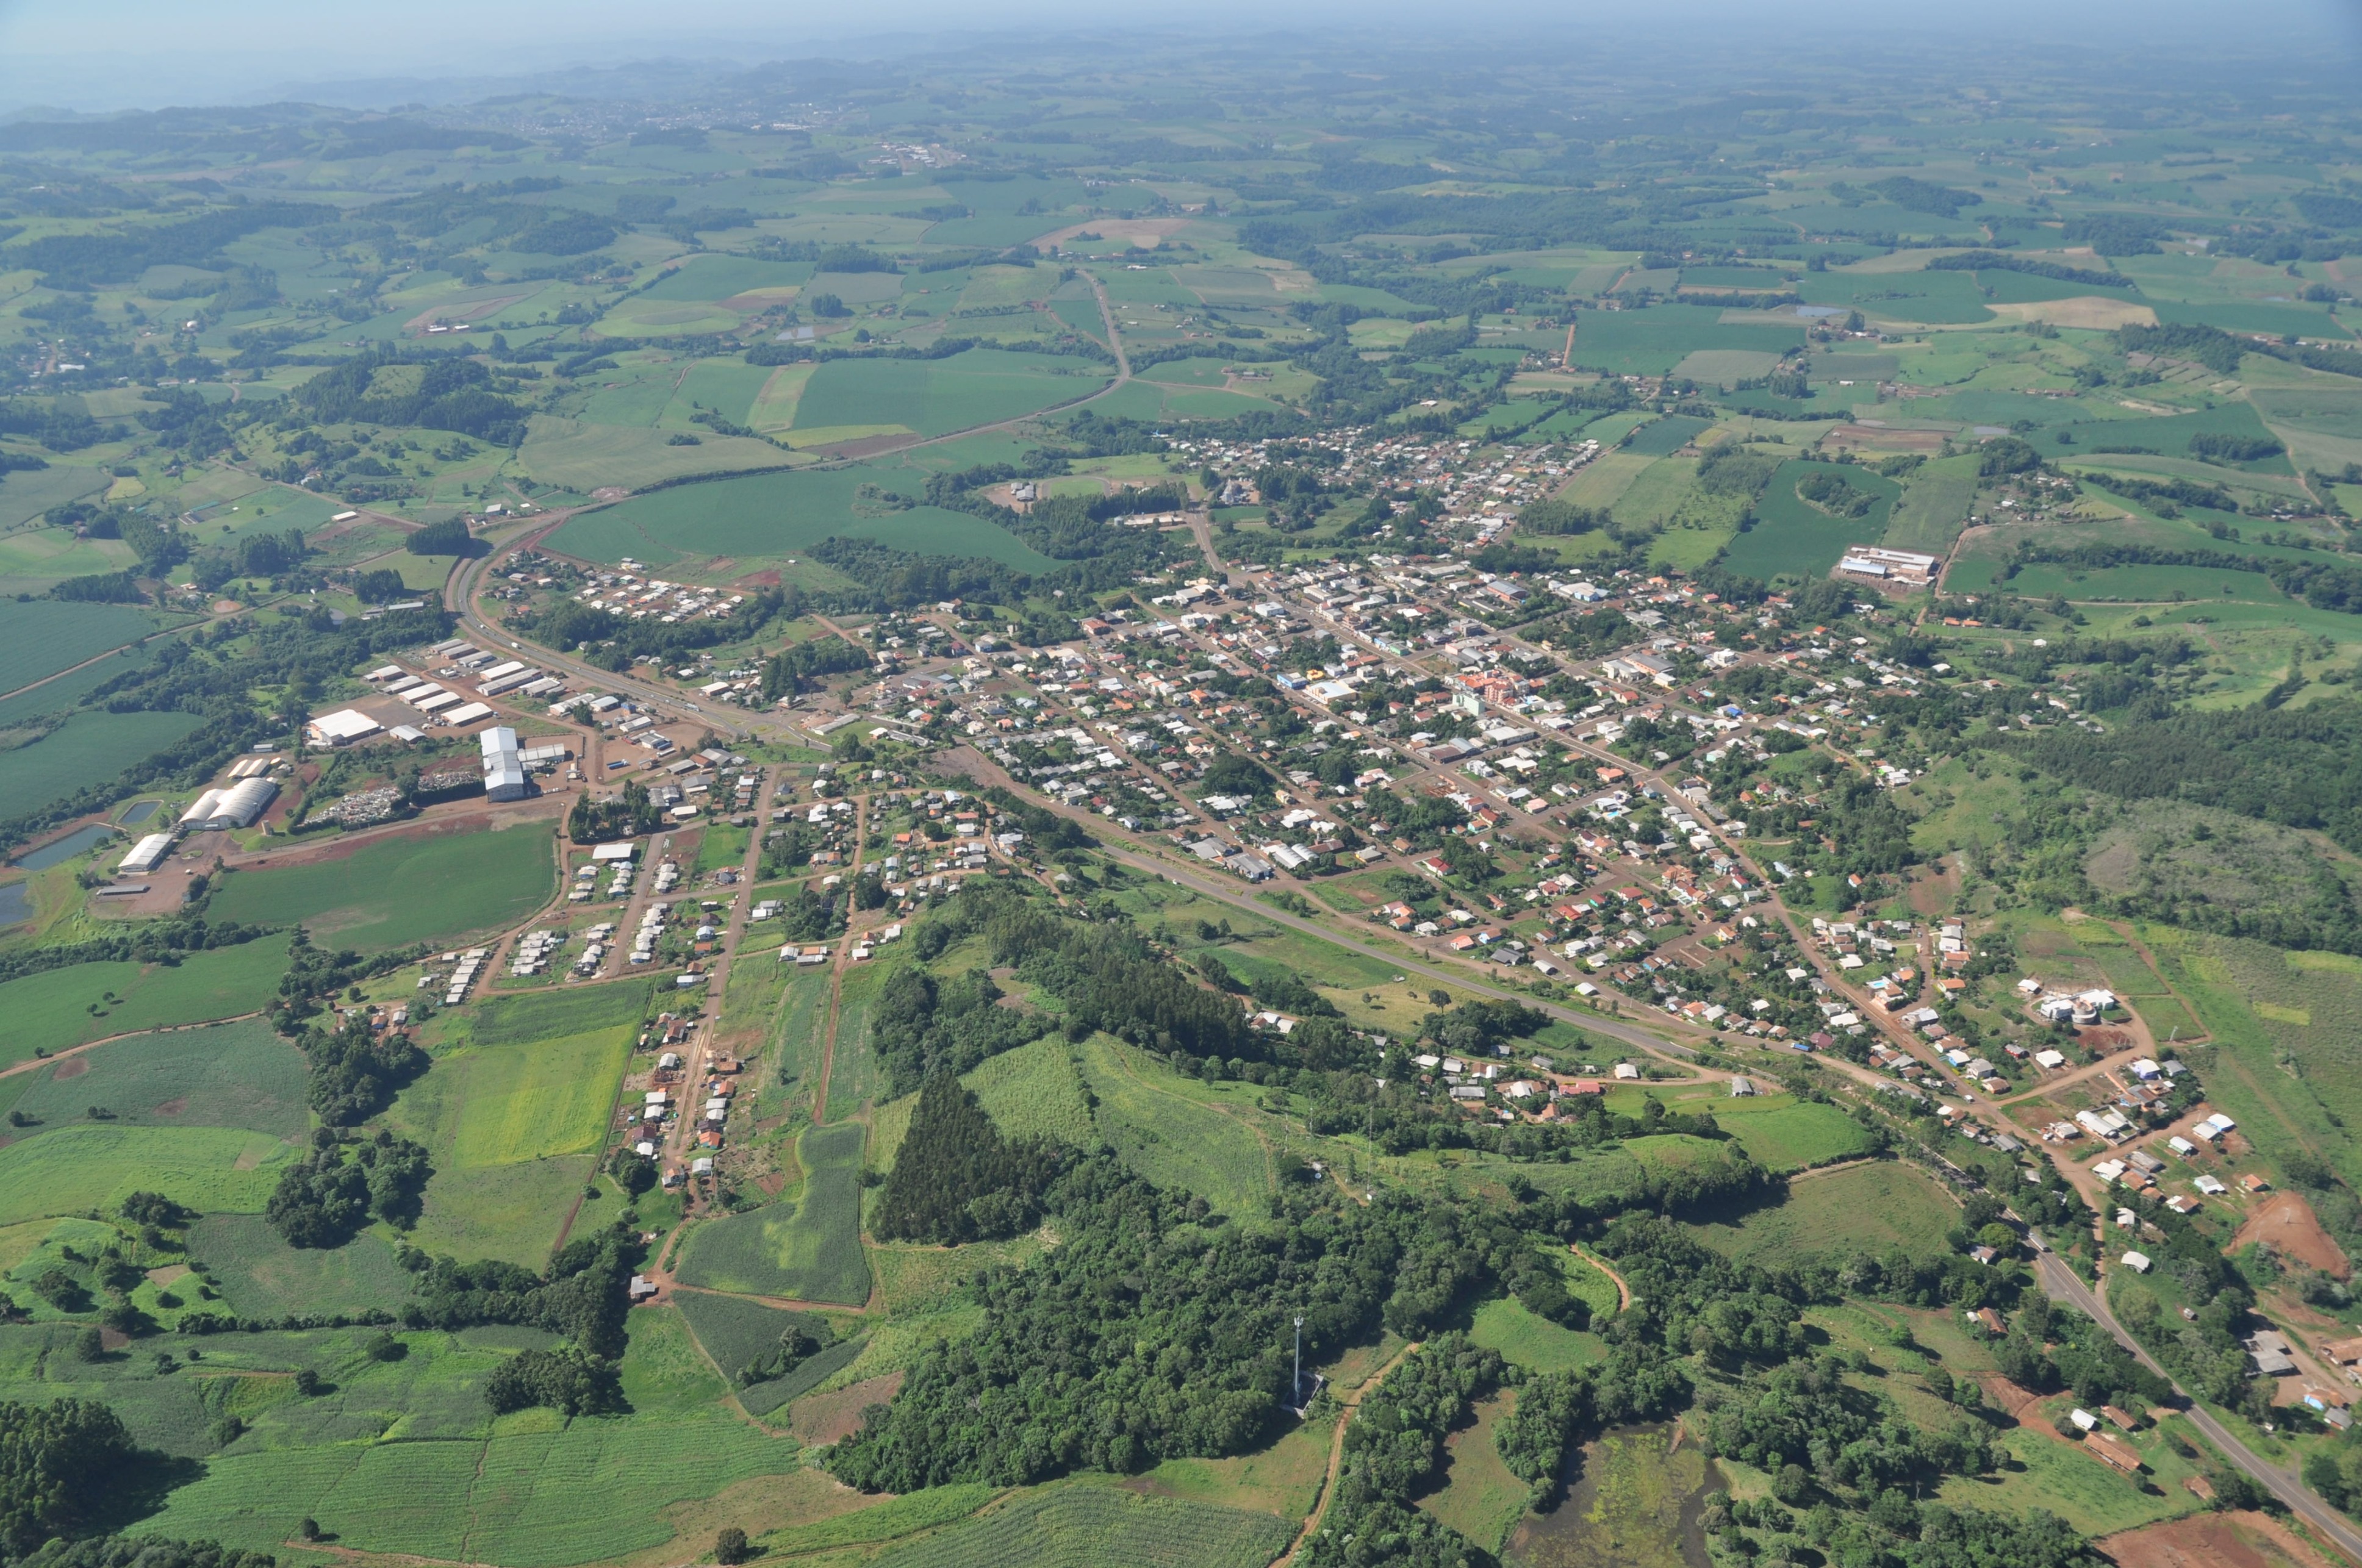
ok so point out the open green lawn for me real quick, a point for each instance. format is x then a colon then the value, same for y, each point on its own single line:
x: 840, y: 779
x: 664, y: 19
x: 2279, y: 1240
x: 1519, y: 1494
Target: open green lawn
x: 59, y: 1007
x: 804, y: 1248
x: 402, y: 889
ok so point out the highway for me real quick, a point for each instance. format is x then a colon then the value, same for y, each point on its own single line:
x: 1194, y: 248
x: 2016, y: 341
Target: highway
x: 2060, y: 1283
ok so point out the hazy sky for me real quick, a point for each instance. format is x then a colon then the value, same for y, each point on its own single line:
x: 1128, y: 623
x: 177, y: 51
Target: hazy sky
x: 104, y: 54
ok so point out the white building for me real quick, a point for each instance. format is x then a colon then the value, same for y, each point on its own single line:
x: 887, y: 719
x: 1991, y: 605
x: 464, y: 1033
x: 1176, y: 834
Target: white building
x: 147, y: 854
x: 342, y: 727
x: 503, y: 774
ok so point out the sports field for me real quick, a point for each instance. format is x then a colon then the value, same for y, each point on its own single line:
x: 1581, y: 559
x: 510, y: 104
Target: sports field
x: 402, y: 889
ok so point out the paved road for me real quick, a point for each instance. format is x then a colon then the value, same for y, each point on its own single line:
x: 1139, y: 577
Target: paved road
x: 2060, y: 1283
x: 967, y: 760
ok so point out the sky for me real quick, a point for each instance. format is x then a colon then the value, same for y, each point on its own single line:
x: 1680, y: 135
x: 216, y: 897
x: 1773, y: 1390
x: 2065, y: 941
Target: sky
x: 98, y: 55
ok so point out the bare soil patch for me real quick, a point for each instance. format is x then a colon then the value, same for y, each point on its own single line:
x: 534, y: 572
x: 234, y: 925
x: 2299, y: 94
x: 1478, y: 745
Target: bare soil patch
x: 1885, y: 439
x: 163, y: 1277
x: 173, y: 1107
x: 71, y: 1067
x: 1142, y: 232
x: 2212, y: 1540
x: 2287, y: 1222
x: 818, y: 1419
x: 2093, y: 311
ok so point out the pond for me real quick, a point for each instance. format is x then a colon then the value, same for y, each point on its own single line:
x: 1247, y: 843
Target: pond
x: 139, y: 813
x: 1633, y: 1499
x: 16, y: 903
x: 66, y: 848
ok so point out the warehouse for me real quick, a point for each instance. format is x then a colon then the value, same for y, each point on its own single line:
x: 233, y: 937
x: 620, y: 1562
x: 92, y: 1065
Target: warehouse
x: 240, y: 805
x: 146, y: 855
x: 342, y: 727
x: 503, y: 773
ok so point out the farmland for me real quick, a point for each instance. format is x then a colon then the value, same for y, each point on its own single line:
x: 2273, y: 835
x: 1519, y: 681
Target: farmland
x: 807, y: 1248
x: 92, y: 744
x: 400, y: 890
x: 81, y: 1002
x: 1867, y: 1208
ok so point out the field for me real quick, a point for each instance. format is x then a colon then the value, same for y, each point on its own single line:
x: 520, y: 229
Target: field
x: 734, y: 1331
x: 1791, y: 1137
x: 805, y: 1248
x: 61, y: 1008
x: 1935, y: 505
x: 1794, y: 538
x: 531, y: 1102
x: 78, y: 1169
x: 1869, y: 1207
x: 402, y: 889
x: 583, y: 455
x: 934, y: 397
x: 1146, y: 1115
x: 1087, y: 1524
x: 1033, y: 1091
x: 1537, y: 1344
x: 90, y: 747
x: 262, y: 1276
x: 28, y: 492
x: 37, y: 559
x: 1479, y: 1497
x: 769, y: 516
x: 234, y: 1075
x: 1651, y: 342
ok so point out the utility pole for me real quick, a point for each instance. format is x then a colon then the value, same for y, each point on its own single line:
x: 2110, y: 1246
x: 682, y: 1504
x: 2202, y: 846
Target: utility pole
x: 1298, y: 1385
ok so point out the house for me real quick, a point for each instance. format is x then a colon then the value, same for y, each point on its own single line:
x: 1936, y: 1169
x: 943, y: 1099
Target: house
x: 1625, y: 1071
x: 2112, y: 1452
x: 2137, y: 1262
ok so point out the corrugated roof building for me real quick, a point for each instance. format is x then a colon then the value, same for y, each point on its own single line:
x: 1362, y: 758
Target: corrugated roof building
x: 503, y: 772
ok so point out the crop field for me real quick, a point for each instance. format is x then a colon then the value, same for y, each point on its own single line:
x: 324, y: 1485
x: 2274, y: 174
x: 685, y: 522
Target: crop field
x: 2167, y: 435
x: 511, y: 1020
x: 1169, y: 1137
x: 25, y: 494
x: 35, y: 559
x: 1670, y: 434
x: 762, y: 1399
x: 402, y: 889
x: 1791, y: 1137
x: 530, y: 1102
x: 581, y: 455
x: 770, y: 516
x: 1794, y: 538
x: 262, y: 1276
x: 91, y: 746
x: 934, y: 397
x: 734, y: 1331
x: 233, y: 1075
x: 1651, y: 342
x: 60, y: 1008
x: 805, y: 1248
x: 581, y: 1493
x: 1087, y: 1524
x: 1934, y: 298
x: 1933, y: 508
x: 1869, y: 1207
x: 74, y: 1169
x: 1033, y: 1091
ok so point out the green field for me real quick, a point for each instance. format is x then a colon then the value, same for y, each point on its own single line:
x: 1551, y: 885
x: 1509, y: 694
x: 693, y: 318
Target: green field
x: 803, y: 1248
x: 1935, y: 505
x: 934, y: 397
x: 764, y: 517
x: 1792, y: 537
x: 1536, y: 1343
x: 531, y: 1102
x: 1033, y: 1091
x: 1089, y: 1525
x: 262, y: 1276
x: 582, y: 455
x: 1146, y: 1114
x: 1653, y: 341
x: 59, y: 1007
x: 1867, y: 1208
x: 1670, y: 434
x: 399, y: 890
x: 37, y: 559
x: 2168, y: 434
x: 77, y: 1168
x: 1936, y: 298
x: 734, y: 1331
x: 91, y: 748
x: 233, y: 1075
x: 1791, y: 1137
x: 25, y: 494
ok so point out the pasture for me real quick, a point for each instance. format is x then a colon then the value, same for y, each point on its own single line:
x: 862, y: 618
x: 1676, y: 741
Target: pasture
x: 34, y: 560
x: 25, y: 494
x: 581, y: 455
x: 807, y: 1248
x: 531, y: 1102
x: 403, y: 889
x: 91, y: 746
x: 1792, y: 537
x: 1867, y: 1208
x: 767, y: 516
x: 233, y: 1075
x: 61, y: 1008
x: 1792, y: 1136
x: 1146, y: 1113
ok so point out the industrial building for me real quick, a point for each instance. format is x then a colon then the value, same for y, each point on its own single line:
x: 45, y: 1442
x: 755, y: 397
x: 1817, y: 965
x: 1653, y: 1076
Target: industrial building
x: 239, y: 806
x: 503, y: 772
x: 342, y: 727
x: 146, y: 855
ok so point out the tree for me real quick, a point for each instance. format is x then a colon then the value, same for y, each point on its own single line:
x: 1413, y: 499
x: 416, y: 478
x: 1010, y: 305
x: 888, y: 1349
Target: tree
x: 448, y: 538
x: 730, y: 1545
x: 56, y: 1464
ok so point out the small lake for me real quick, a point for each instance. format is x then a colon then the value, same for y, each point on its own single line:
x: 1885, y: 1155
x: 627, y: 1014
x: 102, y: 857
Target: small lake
x: 1633, y: 1499
x: 66, y: 848
x: 16, y: 904
x: 140, y: 812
